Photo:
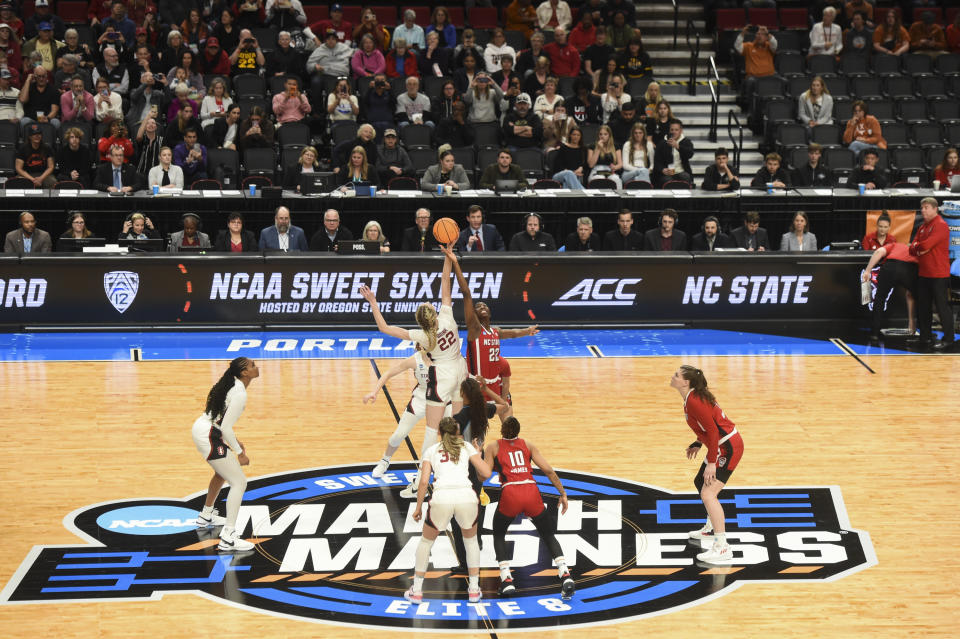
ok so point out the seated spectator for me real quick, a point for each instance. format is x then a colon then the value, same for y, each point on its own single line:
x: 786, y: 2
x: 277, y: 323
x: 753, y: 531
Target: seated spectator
x: 327, y: 238
x: 658, y: 127
x: 342, y: 105
x: 583, y: 239
x: 468, y: 43
x: 247, y: 57
x: 11, y: 109
x: 146, y: 101
x: 454, y: 130
x: 189, y: 236
x: 234, y: 238
x: 435, y: 60
x: 10, y: 46
x: 170, y: 54
x: 166, y: 175
x: 77, y: 228
x: 619, y: 32
x: 815, y: 105
x: 927, y: 37
x: 710, y: 238
x: 534, y: 83
x: 419, y: 238
x: 556, y: 127
x: 826, y: 37
x: 379, y: 105
x: 441, y: 25
x: 867, y: 173
x: 44, y: 44
x: 607, y: 71
x: 495, y: 50
x: 482, y: 97
x: 547, y: 101
x: 213, y: 60
x: 597, y: 54
x: 446, y: 172
x: 527, y: 58
x: 291, y: 105
x: 814, y: 173
x: 285, y: 59
x: 520, y: 15
x: 665, y: 237
x: 863, y: 130
x: 365, y: 138
x: 181, y: 100
x: 357, y: 169
x: 634, y: 62
x: 27, y: 239
x: 615, y: 97
x: 216, y: 104
x: 532, y: 238
x: 373, y: 232
x: 14, y: 75
x: 191, y: 156
x: 880, y: 237
x: 570, y: 161
x: 554, y: 13
x: 413, y: 107
x: 34, y: 160
x: 521, y: 127
x: 890, y: 37
x: 118, y: 20
x: 335, y: 23
x: 478, y: 237
x: 223, y: 133
x: 945, y: 171
x: 147, y: 145
x: 306, y: 163
x: 370, y: 27
x: 953, y: 35
x: 751, y: 236
x: 64, y: 74
x: 623, y: 238
x: 74, y: 160
x: 77, y: 103
x: 672, y: 158
x: 584, y: 107
x: 332, y: 58
x: 256, y: 132
x: 502, y: 169
x: 441, y: 106
x: 41, y: 102
x: 771, y: 173
x: 392, y: 159
x: 506, y: 74
x: 144, y: 62
x: 185, y: 73
x: 799, y: 237
x: 9, y: 17
x: 116, y: 74
x: 464, y: 77
x: 720, y: 176
x: 401, y: 62
x: 622, y: 123
x: 584, y: 34
x: 116, y: 176
x: 604, y: 159
x: 628, y: 9
x: 410, y: 31
x: 108, y: 104
x: 637, y: 154
x: 510, y: 95
x: 858, y: 39
x: 757, y: 56
x: 116, y: 136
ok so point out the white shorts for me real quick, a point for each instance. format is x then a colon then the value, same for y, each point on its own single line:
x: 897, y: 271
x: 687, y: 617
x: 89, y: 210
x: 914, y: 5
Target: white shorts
x: 443, y: 384
x: 449, y: 503
x: 201, y: 436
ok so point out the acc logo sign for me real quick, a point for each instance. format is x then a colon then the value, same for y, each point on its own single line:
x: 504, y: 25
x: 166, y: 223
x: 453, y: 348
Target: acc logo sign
x: 335, y: 545
x: 600, y: 292
x: 121, y: 288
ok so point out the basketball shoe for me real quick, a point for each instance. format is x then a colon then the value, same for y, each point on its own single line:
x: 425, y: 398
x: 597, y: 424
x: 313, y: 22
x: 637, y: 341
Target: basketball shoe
x: 474, y: 594
x: 704, y: 533
x: 506, y: 587
x: 567, y: 586
x: 410, y: 492
x: 413, y: 597
x: 208, y: 521
x: 380, y: 468
x: 719, y: 553
x: 233, y: 543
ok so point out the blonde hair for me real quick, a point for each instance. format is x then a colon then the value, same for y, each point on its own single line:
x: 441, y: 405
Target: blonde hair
x: 609, y: 147
x: 823, y: 88
x: 648, y: 94
x: 427, y: 319
x: 643, y: 149
x: 364, y: 166
x: 309, y: 149
x: 450, y: 439
x: 373, y: 224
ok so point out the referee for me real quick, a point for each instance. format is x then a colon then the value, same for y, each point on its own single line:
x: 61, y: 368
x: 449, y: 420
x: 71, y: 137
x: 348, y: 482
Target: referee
x: 931, y: 247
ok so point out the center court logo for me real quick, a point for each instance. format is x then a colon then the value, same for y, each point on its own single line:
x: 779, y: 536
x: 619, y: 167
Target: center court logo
x: 335, y: 545
x: 121, y: 288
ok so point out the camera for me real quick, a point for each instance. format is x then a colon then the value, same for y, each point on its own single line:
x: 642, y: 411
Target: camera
x: 380, y: 84
x: 248, y: 40
x: 483, y: 79
x: 113, y: 35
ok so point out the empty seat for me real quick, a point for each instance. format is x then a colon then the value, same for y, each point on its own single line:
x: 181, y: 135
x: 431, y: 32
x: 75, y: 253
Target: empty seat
x: 885, y: 65
x: 884, y: 110
x: 948, y: 64
x: 898, y: 86
x: 897, y: 135
x: 838, y: 86
x: 842, y: 111
x: 794, y: 18
x: 486, y: 134
x: 259, y: 162
x: 912, y: 111
x: 762, y: 16
x: 790, y: 136
x: 952, y: 134
x: 902, y: 159
x: 932, y: 88
x: 826, y: 135
x: 867, y: 88
x: 530, y: 160
x: 249, y: 85
x: 422, y: 158
x: 293, y: 134
x: 343, y: 131
x: 839, y: 158
x: 916, y: 65
x: 945, y: 111
x: 797, y: 85
x: 731, y: 19
x: 926, y: 134
x: 854, y: 66
x: 790, y: 63
x: 822, y: 65
x: 416, y: 135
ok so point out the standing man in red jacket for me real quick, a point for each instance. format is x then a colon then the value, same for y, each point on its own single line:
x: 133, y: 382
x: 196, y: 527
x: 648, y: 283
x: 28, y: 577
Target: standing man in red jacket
x: 930, y: 245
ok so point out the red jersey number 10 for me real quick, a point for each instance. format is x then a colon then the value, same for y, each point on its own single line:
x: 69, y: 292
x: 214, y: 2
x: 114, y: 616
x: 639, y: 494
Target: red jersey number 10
x: 516, y: 458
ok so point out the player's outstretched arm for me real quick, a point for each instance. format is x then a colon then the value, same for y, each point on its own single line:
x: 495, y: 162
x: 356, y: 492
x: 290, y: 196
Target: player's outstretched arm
x: 504, y: 409
x: 551, y: 474
x: 483, y: 468
x: 382, y: 326
x: 470, y: 317
x: 446, y: 288
x: 404, y: 364
x: 510, y: 333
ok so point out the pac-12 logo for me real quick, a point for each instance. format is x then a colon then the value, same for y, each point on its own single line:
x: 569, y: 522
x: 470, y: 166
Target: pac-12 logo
x: 335, y: 545
x: 121, y: 288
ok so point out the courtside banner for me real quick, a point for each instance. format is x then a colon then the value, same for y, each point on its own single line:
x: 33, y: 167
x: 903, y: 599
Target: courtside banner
x: 323, y: 290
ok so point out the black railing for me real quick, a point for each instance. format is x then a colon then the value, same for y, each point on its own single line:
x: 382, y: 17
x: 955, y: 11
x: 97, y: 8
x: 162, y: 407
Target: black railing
x: 714, y: 83
x: 737, y: 146
x: 694, y: 56
x: 676, y: 22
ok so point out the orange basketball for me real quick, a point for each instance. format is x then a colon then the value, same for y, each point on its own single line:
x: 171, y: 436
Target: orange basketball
x: 446, y: 230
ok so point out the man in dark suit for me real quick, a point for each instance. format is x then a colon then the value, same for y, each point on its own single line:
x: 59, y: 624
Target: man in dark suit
x: 282, y: 236
x: 583, y: 239
x: 326, y: 239
x: 710, y: 238
x: 750, y: 236
x: 419, y: 238
x: 478, y: 237
x: 27, y: 239
x: 671, y: 160
x: 116, y: 176
x: 623, y: 238
x: 665, y: 237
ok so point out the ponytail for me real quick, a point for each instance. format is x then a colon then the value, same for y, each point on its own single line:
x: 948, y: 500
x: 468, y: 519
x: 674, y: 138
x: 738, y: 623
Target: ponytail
x: 427, y: 319
x: 698, y: 383
x: 217, y: 397
x: 450, y: 439
x: 470, y: 389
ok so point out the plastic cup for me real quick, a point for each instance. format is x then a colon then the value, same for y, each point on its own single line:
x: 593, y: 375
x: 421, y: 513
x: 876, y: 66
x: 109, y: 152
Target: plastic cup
x: 253, y: 190
x: 373, y: 191
x: 936, y: 185
x: 156, y: 189
x: 447, y: 189
x: 862, y: 188
x: 769, y: 187
x: 439, y: 189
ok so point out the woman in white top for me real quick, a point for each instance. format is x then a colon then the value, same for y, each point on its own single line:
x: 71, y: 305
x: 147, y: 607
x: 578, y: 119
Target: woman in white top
x: 547, y: 102
x: 216, y: 104
x: 604, y: 158
x: 637, y: 155
x: 341, y: 105
x: 174, y: 173
x: 214, y: 437
x: 826, y: 38
x: 453, y: 497
x: 496, y: 49
x: 614, y: 98
x: 815, y: 104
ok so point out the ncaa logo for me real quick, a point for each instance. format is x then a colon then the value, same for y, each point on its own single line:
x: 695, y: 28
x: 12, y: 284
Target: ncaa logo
x: 121, y: 288
x: 336, y: 546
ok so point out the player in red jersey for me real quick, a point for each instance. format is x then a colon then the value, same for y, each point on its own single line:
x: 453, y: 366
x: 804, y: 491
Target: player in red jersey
x: 510, y: 458
x: 724, y: 449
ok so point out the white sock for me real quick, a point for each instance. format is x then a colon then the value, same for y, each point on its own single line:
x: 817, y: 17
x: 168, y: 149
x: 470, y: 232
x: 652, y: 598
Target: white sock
x: 561, y: 566
x: 474, y: 581
x: 505, y: 571
x: 417, y: 584
x: 720, y: 538
x: 207, y: 510
x: 227, y: 531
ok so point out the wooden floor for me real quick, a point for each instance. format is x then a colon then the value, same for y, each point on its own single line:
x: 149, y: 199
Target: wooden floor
x: 73, y: 434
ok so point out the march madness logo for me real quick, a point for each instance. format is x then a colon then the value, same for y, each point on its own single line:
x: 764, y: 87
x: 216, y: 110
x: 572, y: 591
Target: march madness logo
x: 337, y: 546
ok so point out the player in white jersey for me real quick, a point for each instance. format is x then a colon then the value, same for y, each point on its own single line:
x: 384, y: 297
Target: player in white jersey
x: 453, y: 498
x: 214, y: 437
x: 416, y: 410
x: 439, y: 336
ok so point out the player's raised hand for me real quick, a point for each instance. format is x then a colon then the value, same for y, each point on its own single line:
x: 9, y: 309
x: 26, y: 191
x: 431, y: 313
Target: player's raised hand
x: 367, y: 294
x: 448, y: 251
x: 533, y: 330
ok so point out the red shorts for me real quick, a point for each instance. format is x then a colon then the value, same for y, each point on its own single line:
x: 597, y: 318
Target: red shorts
x: 520, y: 498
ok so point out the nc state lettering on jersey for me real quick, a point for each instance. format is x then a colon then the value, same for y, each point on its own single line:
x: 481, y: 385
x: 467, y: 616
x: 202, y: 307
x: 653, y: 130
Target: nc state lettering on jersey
x: 752, y: 289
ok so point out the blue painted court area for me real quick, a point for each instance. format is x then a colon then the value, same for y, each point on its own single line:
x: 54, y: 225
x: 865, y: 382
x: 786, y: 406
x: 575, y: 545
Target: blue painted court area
x: 365, y: 344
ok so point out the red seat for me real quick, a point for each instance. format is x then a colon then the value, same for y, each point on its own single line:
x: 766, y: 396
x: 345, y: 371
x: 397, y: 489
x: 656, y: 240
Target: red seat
x: 484, y: 18
x: 730, y: 19
x: 423, y: 14
x: 316, y: 13
x: 794, y: 19
x: 352, y: 14
x: 765, y: 17
x: 456, y: 15
x: 386, y: 15
x: 952, y: 14
x: 919, y: 11
x: 72, y: 12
